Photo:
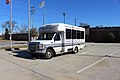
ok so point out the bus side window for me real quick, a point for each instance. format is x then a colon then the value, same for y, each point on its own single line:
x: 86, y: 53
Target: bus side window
x: 78, y: 34
x: 57, y: 37
x: 68, y: 34
x: 82, y: 34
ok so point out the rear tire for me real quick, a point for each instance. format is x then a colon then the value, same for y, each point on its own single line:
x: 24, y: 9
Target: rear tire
x: 76, y: 50
x: 49, y: 54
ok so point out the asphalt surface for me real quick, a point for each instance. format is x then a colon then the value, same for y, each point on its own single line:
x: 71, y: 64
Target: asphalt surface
x: 97, y: 61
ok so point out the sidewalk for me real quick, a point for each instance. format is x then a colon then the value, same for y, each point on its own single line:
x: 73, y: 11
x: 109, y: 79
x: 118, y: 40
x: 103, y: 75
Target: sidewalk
x: 5, y: 44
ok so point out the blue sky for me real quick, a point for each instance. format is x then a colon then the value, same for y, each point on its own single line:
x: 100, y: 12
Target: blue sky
x: 93, y: 12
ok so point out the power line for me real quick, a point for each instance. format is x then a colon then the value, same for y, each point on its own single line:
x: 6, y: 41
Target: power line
x: 20, y: 2
x: 14, y: 17
x: 21, y: 5
x: 25, y: 4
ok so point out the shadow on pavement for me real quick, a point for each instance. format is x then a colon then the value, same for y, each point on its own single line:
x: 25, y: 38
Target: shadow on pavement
x: 23, y: 54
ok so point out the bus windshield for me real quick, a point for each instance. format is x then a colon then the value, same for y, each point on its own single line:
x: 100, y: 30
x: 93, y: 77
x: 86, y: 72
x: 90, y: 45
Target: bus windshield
x: 46, y: 36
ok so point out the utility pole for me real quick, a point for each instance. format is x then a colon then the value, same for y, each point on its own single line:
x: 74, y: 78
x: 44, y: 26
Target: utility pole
x: 28, y: 20
x: 64, y: 17
x: 32, y: 14
x: 75, y: 21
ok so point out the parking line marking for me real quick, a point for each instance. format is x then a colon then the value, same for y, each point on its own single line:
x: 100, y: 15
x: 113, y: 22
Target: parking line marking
x: 95, y: 63
x: 90, y: 65
x: 115, y: 52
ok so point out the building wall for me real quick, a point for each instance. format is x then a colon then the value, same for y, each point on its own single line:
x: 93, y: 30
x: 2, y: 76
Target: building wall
x: 18, y: 37
x: 104, y: 35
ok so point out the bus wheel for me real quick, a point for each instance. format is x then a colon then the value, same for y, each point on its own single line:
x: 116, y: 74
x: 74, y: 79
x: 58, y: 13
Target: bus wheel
x: 49, y: 54
x: 76, y: 50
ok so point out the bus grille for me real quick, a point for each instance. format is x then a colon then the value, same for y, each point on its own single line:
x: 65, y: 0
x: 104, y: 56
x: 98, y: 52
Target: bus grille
x: 33, y: 46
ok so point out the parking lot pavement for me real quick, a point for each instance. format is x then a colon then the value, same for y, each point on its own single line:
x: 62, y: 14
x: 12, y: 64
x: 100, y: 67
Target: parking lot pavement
x: 97, y: 61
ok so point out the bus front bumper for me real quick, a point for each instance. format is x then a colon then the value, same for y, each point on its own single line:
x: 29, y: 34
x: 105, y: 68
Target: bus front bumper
x: 38, y: 51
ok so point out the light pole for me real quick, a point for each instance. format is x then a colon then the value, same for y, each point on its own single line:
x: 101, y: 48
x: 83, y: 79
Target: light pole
x: 11, y: 24
x: 43, y: 5
x: 64, y: 17
x: 28, y: 20
x: 44, y: 13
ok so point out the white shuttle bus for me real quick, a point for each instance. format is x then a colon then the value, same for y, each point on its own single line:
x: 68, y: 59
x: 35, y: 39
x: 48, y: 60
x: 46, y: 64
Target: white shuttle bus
x: 57, y: 38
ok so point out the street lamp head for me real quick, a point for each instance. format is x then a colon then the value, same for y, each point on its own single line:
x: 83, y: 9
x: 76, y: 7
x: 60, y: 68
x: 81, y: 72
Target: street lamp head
x: 63, y: 14
x: 64, y: 17
x: 32, y: 7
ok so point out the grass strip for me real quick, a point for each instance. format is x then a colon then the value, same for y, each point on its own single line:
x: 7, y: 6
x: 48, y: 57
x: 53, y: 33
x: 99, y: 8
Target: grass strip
x: 7, y: 47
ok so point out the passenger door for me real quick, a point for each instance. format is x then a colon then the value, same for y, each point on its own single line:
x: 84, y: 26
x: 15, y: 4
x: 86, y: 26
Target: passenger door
x: 58, y: 43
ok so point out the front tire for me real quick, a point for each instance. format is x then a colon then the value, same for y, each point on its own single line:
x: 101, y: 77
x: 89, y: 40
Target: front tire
x: 49, y: 54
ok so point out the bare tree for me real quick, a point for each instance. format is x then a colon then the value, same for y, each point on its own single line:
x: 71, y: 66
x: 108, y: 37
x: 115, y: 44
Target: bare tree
x: 7, y: 25
x: 22, y: 28
x: 84, y: 24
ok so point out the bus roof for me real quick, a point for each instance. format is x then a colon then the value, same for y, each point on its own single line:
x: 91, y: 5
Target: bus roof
x: 59, y: 27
